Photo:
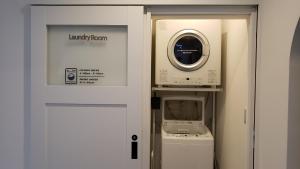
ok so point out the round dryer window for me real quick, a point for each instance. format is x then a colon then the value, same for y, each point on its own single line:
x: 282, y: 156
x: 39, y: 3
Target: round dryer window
x: 188, y: 50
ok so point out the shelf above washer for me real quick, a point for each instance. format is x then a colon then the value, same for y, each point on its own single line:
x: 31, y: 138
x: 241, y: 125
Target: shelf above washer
x: 186, y: 89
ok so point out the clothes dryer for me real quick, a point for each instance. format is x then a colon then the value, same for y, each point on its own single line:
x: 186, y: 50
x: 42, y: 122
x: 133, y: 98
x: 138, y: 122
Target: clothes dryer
x: 188, y: 52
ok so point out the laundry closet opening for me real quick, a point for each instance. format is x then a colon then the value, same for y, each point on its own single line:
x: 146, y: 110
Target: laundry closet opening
x: 202, y: 88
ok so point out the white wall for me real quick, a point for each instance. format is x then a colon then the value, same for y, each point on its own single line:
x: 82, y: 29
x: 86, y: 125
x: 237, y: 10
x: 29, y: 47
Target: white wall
x: 148, y: 2
x: 231, y: 132
x: 277, y: 22
x: 11, y: 84
x: 293, y: 161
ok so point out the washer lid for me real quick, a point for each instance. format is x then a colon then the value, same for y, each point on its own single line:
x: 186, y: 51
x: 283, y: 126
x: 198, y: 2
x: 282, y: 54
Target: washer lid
x: 188, y: 50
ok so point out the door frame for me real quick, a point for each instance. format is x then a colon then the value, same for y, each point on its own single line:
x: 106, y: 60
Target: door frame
x: 250, y: 10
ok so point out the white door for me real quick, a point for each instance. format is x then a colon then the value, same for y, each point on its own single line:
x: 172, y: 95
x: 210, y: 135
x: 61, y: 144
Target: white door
x: 86, y: 87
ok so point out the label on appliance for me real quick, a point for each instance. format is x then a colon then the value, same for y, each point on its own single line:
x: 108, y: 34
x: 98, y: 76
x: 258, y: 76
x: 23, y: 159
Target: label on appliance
x: 212, y: 75
x: 163, y: 75
x: 82, y: 76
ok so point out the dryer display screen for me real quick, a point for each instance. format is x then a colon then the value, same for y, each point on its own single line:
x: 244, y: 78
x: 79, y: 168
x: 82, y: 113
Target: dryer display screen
x: 188, y: 50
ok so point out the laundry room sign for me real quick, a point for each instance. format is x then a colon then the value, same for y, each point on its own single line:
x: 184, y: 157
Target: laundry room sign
x: 87, y: 37
x: 87, y: 55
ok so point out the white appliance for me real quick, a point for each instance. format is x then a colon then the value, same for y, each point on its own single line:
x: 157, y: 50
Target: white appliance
x: 188, y: 52
x: 187, y: 151
x: 183, y: 114
x: 186, y: 141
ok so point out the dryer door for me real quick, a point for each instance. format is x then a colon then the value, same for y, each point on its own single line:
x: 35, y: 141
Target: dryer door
x: 188, y: 50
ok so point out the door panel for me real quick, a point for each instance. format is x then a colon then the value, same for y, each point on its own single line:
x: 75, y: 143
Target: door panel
x: 87, y: 125
x: 67, y: 53
x: 78, y: 137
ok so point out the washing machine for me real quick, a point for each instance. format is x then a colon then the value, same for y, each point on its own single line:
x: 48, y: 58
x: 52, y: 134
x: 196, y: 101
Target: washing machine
x: 188, y: 52
x: 187, y: 151
x: 183, y: 114
x: 186, y: 141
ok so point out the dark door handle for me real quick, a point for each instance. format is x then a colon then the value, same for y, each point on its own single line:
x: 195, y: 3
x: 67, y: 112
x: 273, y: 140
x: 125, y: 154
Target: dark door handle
x: 134, y: 147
